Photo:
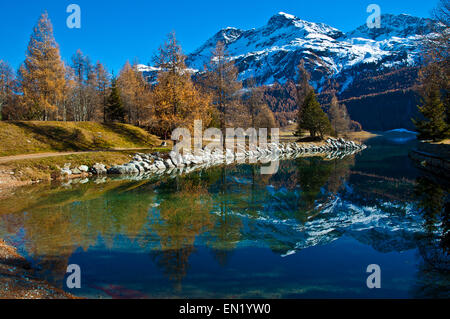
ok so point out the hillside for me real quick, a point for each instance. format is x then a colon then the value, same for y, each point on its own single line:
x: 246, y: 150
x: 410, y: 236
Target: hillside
x: 44, y: 137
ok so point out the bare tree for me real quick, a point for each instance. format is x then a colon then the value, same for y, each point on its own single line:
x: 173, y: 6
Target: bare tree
x: 6, y: 83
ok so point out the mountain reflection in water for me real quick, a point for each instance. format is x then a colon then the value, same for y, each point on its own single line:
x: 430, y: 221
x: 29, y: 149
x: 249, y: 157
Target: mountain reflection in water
x: 310, y: 230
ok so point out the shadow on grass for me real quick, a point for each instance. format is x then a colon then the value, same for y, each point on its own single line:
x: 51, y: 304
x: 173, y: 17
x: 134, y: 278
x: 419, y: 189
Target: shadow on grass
x: 71, y: 138
x: 309, y: 139
x: 130, y: 135
x: 59, y: 138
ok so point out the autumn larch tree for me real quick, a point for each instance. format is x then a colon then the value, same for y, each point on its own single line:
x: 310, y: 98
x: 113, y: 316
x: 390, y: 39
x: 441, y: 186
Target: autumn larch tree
x: 339, y: 117
x: 103, y: 82
x: 220, y: 79
x: 176, y: 101
x: 259, y: 113
x: 135, y: 93
x: 86, y: 107
x: 6, y: 85
x: 66, y: 107
x: 42, y: 75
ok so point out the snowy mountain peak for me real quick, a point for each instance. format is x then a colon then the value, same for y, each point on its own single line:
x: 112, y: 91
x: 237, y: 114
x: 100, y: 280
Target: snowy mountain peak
x: 301, y: 28
x: 272, y: 52
x: 281, y: 19
x: 287, y: 15
x: 401, y: 25
x: 229, y: 35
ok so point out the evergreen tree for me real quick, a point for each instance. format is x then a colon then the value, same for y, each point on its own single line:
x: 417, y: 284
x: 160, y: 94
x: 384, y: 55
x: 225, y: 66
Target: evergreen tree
x: 302, y: 89
x: 433, y: 126
x: 43, y: 73
x: 114, y: 107
x: 313, y: 118
x: 435, y: 73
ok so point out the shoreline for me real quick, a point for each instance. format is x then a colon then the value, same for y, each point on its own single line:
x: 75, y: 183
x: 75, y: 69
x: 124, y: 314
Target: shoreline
x: 67, y: 167
x: 18, y: 280
x: 432, y: 157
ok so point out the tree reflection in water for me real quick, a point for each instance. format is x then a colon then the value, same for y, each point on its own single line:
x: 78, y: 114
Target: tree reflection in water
x: 183, y: 215
x: 433, y: 277
x: 218, y: 209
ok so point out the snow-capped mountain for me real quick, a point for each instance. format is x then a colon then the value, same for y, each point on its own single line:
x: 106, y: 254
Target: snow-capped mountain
x: 374, y: 70
x: 272, y: 52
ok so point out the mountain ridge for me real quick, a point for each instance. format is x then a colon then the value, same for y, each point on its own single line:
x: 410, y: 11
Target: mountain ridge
x: 346, y: 62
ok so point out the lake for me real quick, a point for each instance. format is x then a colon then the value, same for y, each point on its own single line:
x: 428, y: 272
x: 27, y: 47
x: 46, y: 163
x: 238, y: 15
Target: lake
x: 308, y: 231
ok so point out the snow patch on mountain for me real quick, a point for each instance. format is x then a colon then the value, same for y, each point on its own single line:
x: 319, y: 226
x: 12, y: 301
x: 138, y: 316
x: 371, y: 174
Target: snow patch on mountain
x: 272, y: 52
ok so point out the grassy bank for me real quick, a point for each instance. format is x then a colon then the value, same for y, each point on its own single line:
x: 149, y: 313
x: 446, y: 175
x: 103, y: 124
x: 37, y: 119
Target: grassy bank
x: 58, y: 143
x: 43, y: 137
x: 287, y: 134
x: 43, y: 169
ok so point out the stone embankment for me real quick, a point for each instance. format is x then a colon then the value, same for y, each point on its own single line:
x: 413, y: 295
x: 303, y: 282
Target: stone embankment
x: 143, y: 164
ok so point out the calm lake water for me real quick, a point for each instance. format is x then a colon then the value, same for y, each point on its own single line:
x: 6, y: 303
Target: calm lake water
x: 308, y: 231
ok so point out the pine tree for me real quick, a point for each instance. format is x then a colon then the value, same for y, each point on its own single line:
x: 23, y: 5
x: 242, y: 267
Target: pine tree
x: 114, y: 107
x: 43, y: 73
x: 339, y: 117
x: 313, y: 118
x: 303, y: 88
x: 433, y: 126
x: 435, y: 71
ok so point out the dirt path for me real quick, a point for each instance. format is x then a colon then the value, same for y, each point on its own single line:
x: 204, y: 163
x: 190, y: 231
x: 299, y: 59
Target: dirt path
x: 11, y: 158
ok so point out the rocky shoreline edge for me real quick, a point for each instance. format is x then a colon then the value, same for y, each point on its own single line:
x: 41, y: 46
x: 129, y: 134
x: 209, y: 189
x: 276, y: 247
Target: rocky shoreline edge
x: 19, y: 281
x: 173, y: 162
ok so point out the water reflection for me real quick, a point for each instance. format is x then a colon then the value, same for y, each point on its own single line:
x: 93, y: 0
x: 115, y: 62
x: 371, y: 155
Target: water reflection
x: 434, y: 207
x: 193, y: 228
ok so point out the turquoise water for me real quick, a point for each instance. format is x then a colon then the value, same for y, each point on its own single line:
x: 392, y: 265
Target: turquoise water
x: 308, y: 231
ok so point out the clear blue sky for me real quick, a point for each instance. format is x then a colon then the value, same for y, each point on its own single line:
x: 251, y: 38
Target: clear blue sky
x: 115, y: 31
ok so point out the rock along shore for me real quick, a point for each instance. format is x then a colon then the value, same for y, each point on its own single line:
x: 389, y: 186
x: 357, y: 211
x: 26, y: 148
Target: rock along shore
x: 158, y: 164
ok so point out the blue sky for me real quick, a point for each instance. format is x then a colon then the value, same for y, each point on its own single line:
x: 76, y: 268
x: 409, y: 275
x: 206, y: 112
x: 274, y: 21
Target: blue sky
x: 115, y: 31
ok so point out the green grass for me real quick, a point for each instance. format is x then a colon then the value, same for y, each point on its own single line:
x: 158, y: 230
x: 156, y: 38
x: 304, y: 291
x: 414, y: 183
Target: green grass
x: 42, y: 137
x: 44, y: 169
